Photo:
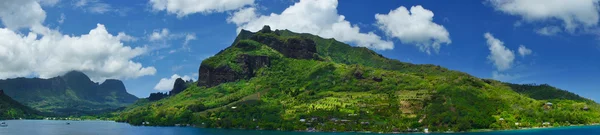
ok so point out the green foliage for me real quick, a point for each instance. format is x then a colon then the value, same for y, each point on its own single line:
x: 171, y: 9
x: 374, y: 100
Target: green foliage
x: 229, y: 56
x: 354, y: 89
x: 11, y: 109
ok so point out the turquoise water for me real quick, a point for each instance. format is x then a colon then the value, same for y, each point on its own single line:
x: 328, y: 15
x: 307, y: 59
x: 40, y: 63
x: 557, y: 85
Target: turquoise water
x: 48, y: 127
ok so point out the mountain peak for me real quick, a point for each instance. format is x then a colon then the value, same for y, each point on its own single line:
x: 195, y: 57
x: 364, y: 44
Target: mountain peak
x: 77, y: 75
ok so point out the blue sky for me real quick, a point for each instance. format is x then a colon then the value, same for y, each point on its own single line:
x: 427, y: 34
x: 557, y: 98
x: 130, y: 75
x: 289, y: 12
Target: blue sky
x: 559, y: 40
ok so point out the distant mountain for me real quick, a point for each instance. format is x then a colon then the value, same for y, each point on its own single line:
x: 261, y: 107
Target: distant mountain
x: 11, y: 109
x: 281, y: 80
x: 71, y: 94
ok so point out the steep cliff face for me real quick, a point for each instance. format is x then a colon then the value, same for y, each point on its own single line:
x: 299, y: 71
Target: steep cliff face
x: 210, y: 76
x: 294, y: 47
x: 178, y: 86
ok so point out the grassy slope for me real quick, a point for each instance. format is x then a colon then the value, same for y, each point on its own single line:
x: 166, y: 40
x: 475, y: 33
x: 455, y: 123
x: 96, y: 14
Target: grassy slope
x: 345, y: 86
x: 11, y: 109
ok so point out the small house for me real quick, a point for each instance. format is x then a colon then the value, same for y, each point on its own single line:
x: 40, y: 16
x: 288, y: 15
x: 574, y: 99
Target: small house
x: 549, y: 104
x: 302, y: 120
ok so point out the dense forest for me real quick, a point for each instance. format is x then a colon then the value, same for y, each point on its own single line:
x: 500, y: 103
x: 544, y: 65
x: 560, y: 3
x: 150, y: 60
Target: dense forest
x: 11, y: 109
x: 280, y: 80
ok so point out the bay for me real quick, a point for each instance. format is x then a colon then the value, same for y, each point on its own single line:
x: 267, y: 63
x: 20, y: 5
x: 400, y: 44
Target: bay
x: 58, y: 127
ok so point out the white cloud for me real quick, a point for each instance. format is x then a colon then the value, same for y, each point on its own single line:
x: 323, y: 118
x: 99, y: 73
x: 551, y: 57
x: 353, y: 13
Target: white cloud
x: 16, y: 14
x: 94, y: 6
x: 185, y: 7
x: 188, y: 37
x: 317, y: 17
x: 124, y: 37
x: 166, y: 84
x: 573, y: 13
x: 159, y: 35
x: 48, y: 53
x: 548, y: 31
x: 501, y: 56
x: 243, y: 16
x: 62, y: 18
x: 414, y: 27
x: 524, y: 51
x: 98, y: 53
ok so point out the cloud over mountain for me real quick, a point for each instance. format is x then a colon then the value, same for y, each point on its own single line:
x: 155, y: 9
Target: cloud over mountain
x: 46, y: 52
x: 319, y: 17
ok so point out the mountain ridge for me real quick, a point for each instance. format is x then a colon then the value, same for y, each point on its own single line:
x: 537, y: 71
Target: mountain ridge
x: 70, y: 94
x: 345, y: 88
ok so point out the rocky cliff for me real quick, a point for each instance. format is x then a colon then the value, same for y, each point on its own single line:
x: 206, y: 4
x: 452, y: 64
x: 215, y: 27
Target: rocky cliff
x: 297, y: 47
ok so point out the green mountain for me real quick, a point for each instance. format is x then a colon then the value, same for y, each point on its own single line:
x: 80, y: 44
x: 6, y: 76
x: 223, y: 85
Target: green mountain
x: 71, y: 94
x: 280, y: 80
x: 11, y: 109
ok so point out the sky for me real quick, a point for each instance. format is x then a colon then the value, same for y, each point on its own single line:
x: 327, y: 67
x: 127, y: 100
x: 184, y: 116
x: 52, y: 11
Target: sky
x: 150, y: 43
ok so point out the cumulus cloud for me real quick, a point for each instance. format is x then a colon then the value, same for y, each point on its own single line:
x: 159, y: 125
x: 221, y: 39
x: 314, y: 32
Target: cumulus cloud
x: 572, y: 13
x: 48, y: 53
x: 524, y: 51
x: 16, y: 14
x: 185, y: 7
x: 414, y: 27
x: 317, y: 17
x: 166, y: 84
x: 98, y: 53
x: 501, y: 56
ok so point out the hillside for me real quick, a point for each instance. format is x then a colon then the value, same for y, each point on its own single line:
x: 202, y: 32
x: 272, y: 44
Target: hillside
x: 71, y: 94
x: 280, y: 80
x: 11, y: 109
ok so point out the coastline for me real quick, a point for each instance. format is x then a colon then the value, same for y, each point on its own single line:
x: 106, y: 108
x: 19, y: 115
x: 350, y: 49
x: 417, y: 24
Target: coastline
x: 529, y: 128
x: 369, y: 132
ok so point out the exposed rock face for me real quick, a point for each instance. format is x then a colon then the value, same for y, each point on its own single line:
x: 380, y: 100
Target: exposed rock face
x: 178, y: 87
x: 209, y: 76
x: 157, y: 96
x: 250, y: 64
x: 298, y: 48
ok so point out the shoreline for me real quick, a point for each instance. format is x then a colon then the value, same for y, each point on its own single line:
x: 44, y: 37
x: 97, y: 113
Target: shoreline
x: 316, y: 131
x: 527, y: 128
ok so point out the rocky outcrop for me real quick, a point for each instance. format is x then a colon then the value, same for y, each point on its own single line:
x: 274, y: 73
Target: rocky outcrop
x: 210, y: 76
x: 298, y: 47
x: 178, y: 87
x: 157, y: 96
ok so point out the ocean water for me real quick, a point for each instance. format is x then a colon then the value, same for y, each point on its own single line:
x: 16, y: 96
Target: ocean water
x: 51, y: 127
